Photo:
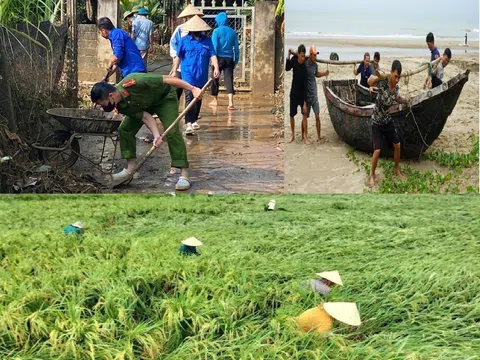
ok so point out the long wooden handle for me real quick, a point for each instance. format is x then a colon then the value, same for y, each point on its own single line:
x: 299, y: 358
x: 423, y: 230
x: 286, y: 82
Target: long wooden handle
x: 183, y: 113
x: 404, y: 74
x: 420, y: 69
x: 337, y: 62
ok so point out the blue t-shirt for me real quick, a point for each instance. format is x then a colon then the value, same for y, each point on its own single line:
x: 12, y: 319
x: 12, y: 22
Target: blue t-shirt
x: 195, y: 59
x: 364, y: 74
x: 125, y: 49
x: 434, y: 52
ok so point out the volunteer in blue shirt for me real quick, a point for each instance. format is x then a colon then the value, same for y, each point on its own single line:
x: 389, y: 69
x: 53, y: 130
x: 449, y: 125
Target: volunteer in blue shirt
x: 434, y: 53
x: 125, y: 53
x: 225, y: 42
x: 364, y: 70
x: 195, y: 52
x: 189, y: 12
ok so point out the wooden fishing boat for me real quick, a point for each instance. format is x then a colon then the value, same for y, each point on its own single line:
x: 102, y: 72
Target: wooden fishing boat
x: 350, y: 106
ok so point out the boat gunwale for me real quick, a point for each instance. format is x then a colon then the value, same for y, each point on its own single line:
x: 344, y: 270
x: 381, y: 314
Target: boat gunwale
x: 394, y: 110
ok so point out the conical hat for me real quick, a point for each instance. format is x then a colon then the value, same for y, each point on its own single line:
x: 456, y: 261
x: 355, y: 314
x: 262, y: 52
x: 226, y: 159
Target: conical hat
x: 316, y: 319
x: 190, y: 10
x: 196, y: 24
x: 78, y: 224
x: 127, y: 14
x: 192, y: 241
x: 333, y: 276
x: 345, y: 312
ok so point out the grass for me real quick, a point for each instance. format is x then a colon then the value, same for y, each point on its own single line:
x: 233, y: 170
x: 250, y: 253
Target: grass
x: 122, y: 291
x: 426, y: 182
x: 457, y: 160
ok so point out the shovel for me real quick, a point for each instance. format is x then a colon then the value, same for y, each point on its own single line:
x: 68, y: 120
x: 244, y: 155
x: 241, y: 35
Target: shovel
x: 108, y: 74
x: 153, y: 148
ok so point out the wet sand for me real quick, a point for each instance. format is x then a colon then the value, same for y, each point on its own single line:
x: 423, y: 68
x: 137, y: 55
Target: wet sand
x: 324, y: 167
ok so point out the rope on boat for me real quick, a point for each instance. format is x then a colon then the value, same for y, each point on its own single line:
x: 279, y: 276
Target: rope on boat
x: 415, y: 121
x: 407, y: 81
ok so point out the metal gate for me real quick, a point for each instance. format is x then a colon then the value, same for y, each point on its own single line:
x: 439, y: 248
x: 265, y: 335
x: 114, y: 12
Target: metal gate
x: 241, y: 18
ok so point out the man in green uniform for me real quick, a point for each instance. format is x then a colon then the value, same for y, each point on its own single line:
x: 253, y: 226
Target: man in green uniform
x: 138, y: 96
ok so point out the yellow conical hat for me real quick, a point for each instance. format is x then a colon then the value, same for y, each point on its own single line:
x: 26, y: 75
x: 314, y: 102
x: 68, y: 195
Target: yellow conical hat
x: 190, y: 10
x: 196, y: 24
x: 316, y: 319
x: 333, y: 276
x: 345, y: 312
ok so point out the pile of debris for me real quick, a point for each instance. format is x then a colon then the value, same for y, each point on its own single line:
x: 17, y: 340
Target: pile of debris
x: 160, y: 52
x: 21, y: 172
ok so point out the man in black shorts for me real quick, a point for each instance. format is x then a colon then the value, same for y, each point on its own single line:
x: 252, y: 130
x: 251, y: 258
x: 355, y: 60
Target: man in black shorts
x: 298, y: 91
x: 383, y: 129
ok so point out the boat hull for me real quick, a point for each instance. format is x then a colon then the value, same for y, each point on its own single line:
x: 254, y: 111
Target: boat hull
x: 417, y: 129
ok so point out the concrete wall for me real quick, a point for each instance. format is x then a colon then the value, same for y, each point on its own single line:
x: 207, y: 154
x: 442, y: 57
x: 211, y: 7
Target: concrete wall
x: 110, y: 9
x: 263, y: 81
x: 88, y: 69
x: 279, y: 60
x: 93, y: 50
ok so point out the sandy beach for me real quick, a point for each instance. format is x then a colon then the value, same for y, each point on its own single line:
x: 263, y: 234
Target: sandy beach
x: 324, y: 167
x: 354, y: 48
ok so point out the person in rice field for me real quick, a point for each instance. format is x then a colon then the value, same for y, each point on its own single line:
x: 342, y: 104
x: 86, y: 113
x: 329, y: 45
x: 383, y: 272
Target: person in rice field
x: 328, y: 279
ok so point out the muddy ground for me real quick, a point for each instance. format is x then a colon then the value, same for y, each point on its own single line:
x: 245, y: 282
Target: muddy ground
x: 233, y: 152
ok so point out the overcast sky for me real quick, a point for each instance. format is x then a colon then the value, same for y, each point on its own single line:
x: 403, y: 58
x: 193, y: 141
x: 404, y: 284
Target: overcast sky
x: 405, y: 16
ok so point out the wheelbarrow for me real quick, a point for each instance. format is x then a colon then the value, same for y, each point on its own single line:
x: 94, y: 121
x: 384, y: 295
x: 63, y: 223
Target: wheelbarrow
x: 62, y: 148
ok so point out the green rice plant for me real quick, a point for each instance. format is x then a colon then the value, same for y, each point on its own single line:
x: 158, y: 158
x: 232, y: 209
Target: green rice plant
x: 122, y: 291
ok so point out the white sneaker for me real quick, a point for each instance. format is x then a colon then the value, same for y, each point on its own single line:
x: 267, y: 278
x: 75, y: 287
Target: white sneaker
x: 182, y: 184
x: 121, y: 176
x: 195, y: 126
x: 189, y: 129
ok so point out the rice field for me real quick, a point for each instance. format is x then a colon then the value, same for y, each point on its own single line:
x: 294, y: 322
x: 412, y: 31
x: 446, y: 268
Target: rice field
x: 122, y: 291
